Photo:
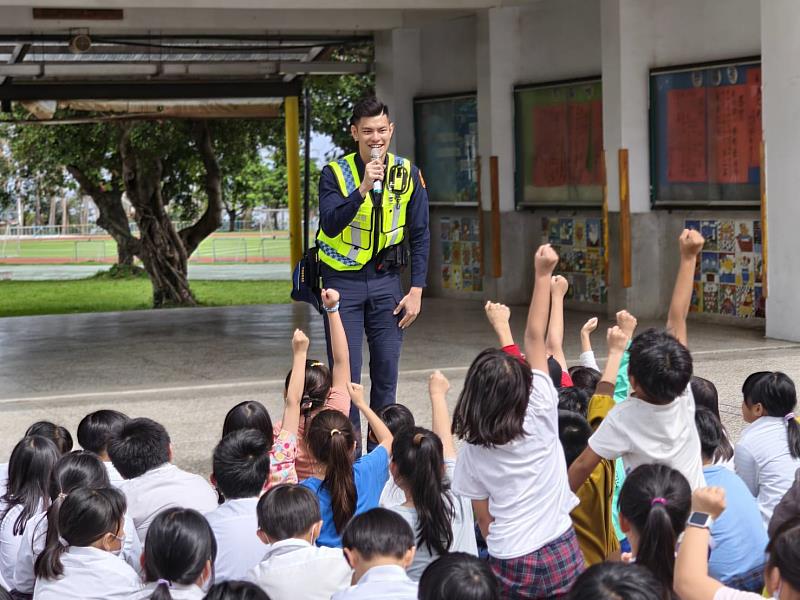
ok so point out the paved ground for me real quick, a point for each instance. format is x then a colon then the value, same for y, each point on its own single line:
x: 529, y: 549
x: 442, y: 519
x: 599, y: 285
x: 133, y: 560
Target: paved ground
x: 212, y: 272
x: 186, y: 368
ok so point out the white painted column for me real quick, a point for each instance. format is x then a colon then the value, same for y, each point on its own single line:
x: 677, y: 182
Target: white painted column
x: 397, y: 81
x: 780, y: 47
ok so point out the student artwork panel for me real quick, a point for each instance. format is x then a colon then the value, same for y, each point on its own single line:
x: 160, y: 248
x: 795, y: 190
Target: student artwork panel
x: 730, y: 270
x: 461, y: 254
x: 578, y: 241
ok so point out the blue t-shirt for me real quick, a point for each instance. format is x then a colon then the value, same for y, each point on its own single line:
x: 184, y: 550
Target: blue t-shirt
x: 370, y: 473
x: 739, y: 537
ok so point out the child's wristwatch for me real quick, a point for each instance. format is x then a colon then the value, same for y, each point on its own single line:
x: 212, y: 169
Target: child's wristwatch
x: 701, y: 520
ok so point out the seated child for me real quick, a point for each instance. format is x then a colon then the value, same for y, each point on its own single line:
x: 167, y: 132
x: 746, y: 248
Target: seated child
x: 458, y: 575
x: 236, y: 590
x: 653, y: 508
x: 94, y: 431
x: 618, y: 581
x: 178, y: 557
x: 57, y: 434
x: 768, y: 453
x: 379, y: 546
x: 656, y: 423
x: 739, y: 535
x: 395, y: 417
x: 84, y: 533
x: 343, y: 486
x: 511, y: 464
x: 142, y: 453
x: 705, y: 395
x: 241, y: 464
x: 289, y: 522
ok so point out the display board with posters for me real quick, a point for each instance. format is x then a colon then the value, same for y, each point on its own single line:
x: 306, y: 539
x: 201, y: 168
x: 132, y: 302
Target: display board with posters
x: 446, y: 133
x: 729, y: 275
x: 461, y: 253
x: 579, y: 243
x: 558, y: 130
x: 705, y: 142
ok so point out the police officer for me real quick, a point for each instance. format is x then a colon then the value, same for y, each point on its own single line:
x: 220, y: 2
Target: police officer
x: 366, y: 239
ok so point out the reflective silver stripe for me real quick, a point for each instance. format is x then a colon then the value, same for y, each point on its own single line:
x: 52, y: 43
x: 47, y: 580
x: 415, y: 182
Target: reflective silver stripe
x: 353, y: 254
x: 393, y: 238
x: 356, y: 236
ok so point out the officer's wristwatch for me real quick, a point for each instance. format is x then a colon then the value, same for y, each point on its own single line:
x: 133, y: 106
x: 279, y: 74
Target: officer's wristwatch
x: 701, y: 520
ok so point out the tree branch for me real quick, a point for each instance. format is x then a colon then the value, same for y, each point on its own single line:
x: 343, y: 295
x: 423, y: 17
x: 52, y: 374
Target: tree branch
x: 211, y: 219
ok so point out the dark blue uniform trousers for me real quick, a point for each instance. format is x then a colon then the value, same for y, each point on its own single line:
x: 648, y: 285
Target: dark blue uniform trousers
x: 368, y: 299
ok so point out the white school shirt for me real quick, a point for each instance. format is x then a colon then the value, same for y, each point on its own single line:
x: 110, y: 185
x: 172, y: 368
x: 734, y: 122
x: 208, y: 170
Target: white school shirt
x: 9, y: 543
x: 391, y: 495
x: 387, y: 582
x: 463, y: 529
x: 33, y: 542
x: 165, y: 487
x: 643, y: 433
x: 178, y: 591
x: 239, y: 549
x: 294, y: 568
x: 3, y: 479
x: 114, y: 477
x: 762, y: 459
x: 525, y: 480
x: 90, y: 574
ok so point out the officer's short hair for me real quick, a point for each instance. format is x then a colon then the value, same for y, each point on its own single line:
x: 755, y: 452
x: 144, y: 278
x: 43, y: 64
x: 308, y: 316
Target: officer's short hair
x: 368, y: 107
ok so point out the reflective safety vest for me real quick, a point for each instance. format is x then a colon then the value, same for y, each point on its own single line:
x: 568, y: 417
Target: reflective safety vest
x: 374, y: 228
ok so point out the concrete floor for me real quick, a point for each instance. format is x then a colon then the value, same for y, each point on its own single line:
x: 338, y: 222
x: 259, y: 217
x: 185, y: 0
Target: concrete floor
x: 186, y: 368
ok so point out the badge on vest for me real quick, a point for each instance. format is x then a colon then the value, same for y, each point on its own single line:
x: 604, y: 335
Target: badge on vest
x: 399, y: 180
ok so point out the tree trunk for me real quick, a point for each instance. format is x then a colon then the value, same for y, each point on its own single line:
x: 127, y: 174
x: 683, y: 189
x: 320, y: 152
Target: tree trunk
x: 232, y: 220
x: 51, y: 217
x: 64, y: 216
x: 161, y: 248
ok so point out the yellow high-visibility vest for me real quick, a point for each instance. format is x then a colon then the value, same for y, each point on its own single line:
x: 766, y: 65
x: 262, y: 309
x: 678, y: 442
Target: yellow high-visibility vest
x: 373, y: 228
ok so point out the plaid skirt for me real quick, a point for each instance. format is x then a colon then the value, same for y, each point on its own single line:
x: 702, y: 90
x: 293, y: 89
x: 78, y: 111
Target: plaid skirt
x: 548, y: 572
x: 749, y: 581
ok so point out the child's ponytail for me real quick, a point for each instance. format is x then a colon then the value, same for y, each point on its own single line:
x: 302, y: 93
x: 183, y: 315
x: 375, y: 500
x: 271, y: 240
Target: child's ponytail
x: 418, y: 455
x: 48, y: 563
x: 331, y: 440
x: 656, y: 501
x: 777, y: 394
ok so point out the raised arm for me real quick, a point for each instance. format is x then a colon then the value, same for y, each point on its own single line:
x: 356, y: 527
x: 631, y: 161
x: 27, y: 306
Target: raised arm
x: 379, y: 428
x: 587, y: 358
x: 438, y: 387
x: 555, y: 331
x: 690, y: 243
x: 294, y: 394
x: 545, y: 260
x: 499, y: 316
x: 341, y: 354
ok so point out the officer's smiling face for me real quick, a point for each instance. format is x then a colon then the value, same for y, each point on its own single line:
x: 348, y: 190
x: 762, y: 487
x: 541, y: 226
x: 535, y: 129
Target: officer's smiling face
x: 372, y: 132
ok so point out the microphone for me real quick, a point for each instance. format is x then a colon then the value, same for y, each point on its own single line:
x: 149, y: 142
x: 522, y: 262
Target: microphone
x: 377, y: 185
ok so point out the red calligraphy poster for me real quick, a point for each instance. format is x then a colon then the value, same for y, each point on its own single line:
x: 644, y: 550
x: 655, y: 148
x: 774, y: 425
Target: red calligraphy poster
x: 585, y: 142
x: 729, y: 134
x: 686, y: 136
x: 550, y: 146
x: 754, y: 115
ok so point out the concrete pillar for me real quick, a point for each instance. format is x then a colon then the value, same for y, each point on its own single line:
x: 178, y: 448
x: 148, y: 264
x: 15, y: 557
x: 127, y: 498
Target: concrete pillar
x: 397, y: 81
x: 780, y: 72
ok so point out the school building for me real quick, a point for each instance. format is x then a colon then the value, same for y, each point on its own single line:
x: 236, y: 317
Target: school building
x: 602, y: 126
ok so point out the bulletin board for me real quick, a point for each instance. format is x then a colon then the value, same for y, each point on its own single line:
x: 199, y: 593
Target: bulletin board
x: 559, y: 143
x: 705, y: 135
x: 446, y: 134
x: 579, y: 243
x: 461, y: 253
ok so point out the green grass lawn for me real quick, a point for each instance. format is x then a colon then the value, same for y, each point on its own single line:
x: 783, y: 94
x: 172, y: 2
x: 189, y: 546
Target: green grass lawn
x: 18, y: 298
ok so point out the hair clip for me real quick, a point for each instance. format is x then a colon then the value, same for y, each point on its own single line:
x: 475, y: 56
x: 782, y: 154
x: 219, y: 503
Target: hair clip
x: 659, y: 500
x: 335, y: 431
x: 789, y: 417
x: 315, y: 363
x: 61, y: 496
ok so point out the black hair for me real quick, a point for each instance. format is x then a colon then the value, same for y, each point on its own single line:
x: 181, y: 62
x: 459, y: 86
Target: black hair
x: 236, y: 590
x: 138, y: 446
x: 249, y: 414
x: 178, y: 545
x: 491, y: 407
x: 777, y: 394
x: 287, y: 511
x: 316, y: 387
x: 396, y: 417
x: 330, y: 440
x: 368, y: 107
x: 656, y: 501
x: 573, y: 399
x: 661, y: 365
x: 458, y: 576
x: 574, y: 432
x: 714, y: 443
x: 241, y: 464
x: 5, y: 595
x: 77, y: 469
x: 419, y: 457
x: 705, y: 394
x: 85, y: 515
x: 750, y: 381
x: 784, y: 552
x: 29, y: 470
x: 95, y: 429
x: 555, y: 371
x: 378, y: 532
x: 585, y: 378
x: 618, y: 581
x: 57, y: 434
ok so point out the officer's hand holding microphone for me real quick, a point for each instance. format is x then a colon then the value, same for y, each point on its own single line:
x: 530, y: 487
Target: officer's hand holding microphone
x: 374, y: 170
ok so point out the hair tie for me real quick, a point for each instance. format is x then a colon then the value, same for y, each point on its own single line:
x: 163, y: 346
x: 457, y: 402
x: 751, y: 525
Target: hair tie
x: 418, y: 439
x: 335, y: 431
x: 315, y: 363
x: 789, y: 417
x: 164, y: 581
x: 659, y: 500
x: 61, y: 496
x: 62, y: 542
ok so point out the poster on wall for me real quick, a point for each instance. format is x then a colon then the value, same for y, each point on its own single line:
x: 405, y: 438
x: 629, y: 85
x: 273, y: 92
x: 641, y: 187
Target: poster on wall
x: 579, y: 243
x: 729, y: 276
x: 461, y: 254
x: 446, y: 130
x: 705, y: 142
x: 559, y: 143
